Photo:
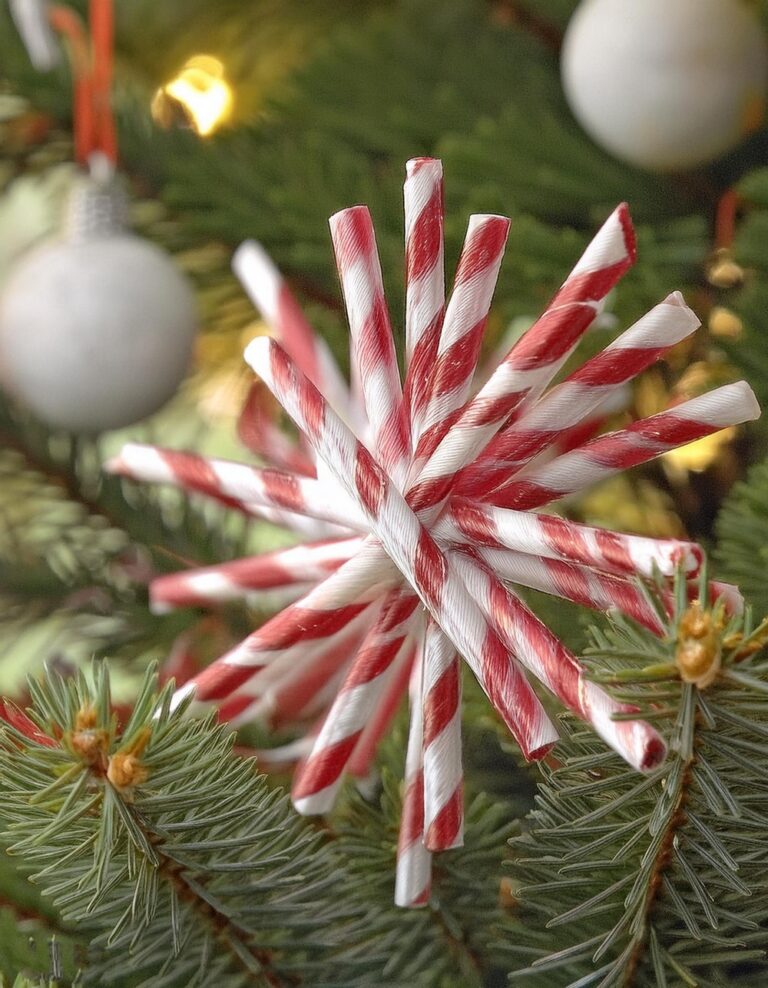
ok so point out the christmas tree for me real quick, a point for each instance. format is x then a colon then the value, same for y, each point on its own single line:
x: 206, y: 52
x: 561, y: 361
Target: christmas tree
x: 265, y: 719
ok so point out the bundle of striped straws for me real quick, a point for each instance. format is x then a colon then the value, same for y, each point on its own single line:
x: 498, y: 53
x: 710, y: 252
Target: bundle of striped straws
x: 417, y: 503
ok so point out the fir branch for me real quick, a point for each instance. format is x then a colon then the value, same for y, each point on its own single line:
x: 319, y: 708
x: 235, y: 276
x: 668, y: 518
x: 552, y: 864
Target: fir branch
x: 32, y: 938
x: 73, y: 466
x: 630, y: 880
x: 77, y: 548
x: 742, y: 530
x: 171, y: 855
x: 747, y: 295
x: 325, y: 142
x: 454, y: 940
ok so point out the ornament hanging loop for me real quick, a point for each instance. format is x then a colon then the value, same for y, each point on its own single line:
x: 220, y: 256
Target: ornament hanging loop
x: 98, y: 203
x: 90, y: 53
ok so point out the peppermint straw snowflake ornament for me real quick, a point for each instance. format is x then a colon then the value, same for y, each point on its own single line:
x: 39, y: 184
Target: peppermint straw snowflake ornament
x: 420, y: 502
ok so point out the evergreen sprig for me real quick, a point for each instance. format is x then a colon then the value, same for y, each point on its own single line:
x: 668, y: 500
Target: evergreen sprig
x: 454, y: 941
x: 77, y: 547
x: 658, y: 879
x: 742, y: 529
x: 459, y: 84
x: 748, y: 295
x: 168, y: 855
x: 28, y: 946
x: 166, y: 522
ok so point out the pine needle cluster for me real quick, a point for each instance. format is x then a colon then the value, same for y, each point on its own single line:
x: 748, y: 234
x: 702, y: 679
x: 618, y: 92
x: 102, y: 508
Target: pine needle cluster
x: 167, y: 855
x: 656, y: 879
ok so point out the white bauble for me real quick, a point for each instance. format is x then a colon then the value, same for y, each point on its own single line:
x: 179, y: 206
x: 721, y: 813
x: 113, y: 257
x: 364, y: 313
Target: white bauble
x: 665, y: 84
x: 96, y: 329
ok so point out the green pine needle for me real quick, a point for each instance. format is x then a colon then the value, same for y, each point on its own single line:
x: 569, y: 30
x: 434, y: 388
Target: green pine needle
x: 742, y: 529
x: 169, y: 856
x: 630, y: 881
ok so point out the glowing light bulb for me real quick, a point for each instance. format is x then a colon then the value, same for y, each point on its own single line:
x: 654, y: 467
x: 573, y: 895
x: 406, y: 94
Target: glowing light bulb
x: 200, y: 93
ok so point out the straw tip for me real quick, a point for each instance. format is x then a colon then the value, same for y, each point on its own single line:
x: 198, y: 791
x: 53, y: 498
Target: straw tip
x: 183, y: 693
x: 313, y: 805
x: 729, y: 594
x: 415, y: 165
x: 404, y: 899
x: 653, y: 752
x: 684, y: 313
x: 622, y: 215
x: 347, y: 214
x: 676, y: 298
x: 536, y: 754
x: 688, y: 555
x: 433, y: 842
x: 257, y: 352
x: 119, y: 463
x: 248, y: 253
x: 748, y: 404
x: 477, y: 219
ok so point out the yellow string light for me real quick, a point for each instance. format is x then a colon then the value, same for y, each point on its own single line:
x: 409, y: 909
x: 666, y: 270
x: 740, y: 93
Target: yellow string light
x: 199, y: 92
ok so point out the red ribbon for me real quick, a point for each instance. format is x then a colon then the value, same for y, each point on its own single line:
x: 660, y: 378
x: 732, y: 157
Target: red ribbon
x: 91, y: 60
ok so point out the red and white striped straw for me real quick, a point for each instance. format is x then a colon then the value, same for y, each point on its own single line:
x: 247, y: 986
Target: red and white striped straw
x: 32, y: 21
x: 316, y: 785
x: 258, y: 432
x: 528, y: 367
x: 270, y: 294
x: 413, y: 872
x: 300, y: 683
x: 739, y: 404
x: 284, y: 756
x: 436, y: 348
x: 558, y: 669
x: 729, y: 594
x: 608, y: 256
x: 556, y: 538
x: 447, y: 370
x: 450, y: 378
x: 574, y: 582
x: 281, y: 689
x: 566, y: 405
x: 443, y: 775
x: 414, y: 552
x: 237, y: 485
x: 424, y: 255
x: 373, y: 349
x: 322, y: 613
x: 638, y: 443
x: 393, y: 690
x: 283, y: 568
x: 618, y: 401
x: 424, y: 278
